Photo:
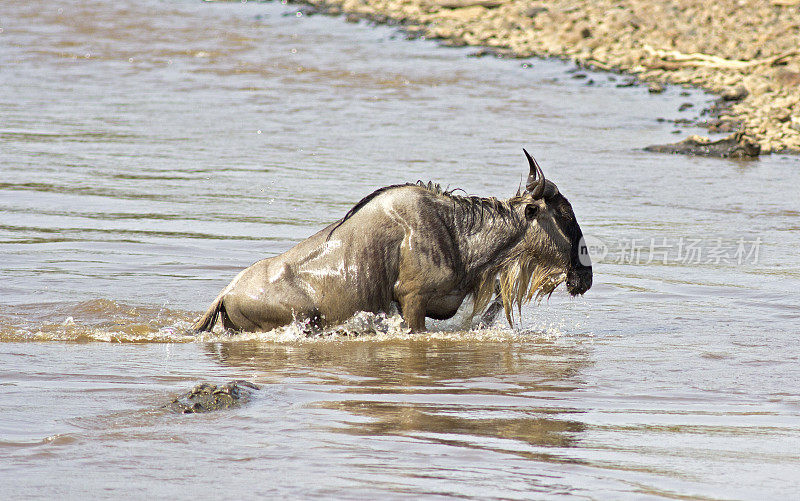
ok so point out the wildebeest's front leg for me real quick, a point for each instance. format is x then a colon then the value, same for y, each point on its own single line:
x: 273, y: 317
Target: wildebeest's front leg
x: 412, y: 307
x: 491, y: 312
x: 426, y: 266
x: 494, y: 307
x: 417, y: 291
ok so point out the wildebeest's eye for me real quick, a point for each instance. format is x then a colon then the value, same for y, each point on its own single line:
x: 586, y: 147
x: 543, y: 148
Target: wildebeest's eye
x: 531, y: 210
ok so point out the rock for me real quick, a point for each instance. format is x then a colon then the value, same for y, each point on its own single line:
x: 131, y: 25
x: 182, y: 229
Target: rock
x: 467, y: 14
x: 735, y: 93
x: 206, y: 397
x: 458, y: 4
x: 482, y: 52
x: 685, y: 106
x: 722, y: 126
x: 787, y: 78
x: 783, y: 115
x: 734, y: 146
x: 497, y: 52
x: 655, y: 88
x: 453, y: 42
x: 532, y: 12
x: 414, y: 33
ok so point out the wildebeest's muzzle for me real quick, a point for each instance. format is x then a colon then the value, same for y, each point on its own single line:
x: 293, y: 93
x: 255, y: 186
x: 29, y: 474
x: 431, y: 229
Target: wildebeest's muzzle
x: 579, y: 277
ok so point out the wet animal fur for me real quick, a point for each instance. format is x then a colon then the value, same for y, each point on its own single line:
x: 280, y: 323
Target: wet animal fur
x: 520, y: 277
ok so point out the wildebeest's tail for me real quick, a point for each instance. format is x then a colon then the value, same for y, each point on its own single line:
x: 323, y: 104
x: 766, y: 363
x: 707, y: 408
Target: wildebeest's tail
x: 209, y: 318
x: 217, y: 308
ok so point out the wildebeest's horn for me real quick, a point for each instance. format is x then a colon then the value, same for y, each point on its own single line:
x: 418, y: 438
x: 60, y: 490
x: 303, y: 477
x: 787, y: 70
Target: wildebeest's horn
x: 535, y: 184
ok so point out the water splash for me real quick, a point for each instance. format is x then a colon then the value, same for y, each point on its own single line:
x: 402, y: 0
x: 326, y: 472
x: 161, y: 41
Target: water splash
x: 107, y: 321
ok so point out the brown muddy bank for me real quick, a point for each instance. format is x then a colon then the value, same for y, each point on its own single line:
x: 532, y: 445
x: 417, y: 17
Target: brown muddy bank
x: 744, y: 51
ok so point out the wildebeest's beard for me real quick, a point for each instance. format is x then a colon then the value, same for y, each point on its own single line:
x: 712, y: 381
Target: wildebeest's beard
x: 532, y: 270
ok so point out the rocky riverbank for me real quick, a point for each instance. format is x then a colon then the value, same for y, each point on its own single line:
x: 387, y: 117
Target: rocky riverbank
x: 746, y: 51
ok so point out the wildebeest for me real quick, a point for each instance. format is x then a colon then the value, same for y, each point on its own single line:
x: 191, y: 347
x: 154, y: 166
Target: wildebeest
x: 421, y: 248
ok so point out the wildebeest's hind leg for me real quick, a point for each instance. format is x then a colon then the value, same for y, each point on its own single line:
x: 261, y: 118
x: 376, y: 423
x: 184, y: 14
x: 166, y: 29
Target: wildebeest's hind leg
x: 254, y: 305
x: 266, y: 295
x: 244, y: 313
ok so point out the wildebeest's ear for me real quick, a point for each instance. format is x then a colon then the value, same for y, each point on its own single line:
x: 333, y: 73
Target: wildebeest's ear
x: 531, y: 210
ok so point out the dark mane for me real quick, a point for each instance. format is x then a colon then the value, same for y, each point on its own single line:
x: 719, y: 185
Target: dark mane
x: 476, y: 207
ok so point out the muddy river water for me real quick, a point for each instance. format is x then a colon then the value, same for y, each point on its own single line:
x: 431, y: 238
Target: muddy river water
x: 151, y: 149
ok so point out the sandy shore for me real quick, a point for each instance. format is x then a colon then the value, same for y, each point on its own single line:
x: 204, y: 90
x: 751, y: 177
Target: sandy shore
x: 746, y: 51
